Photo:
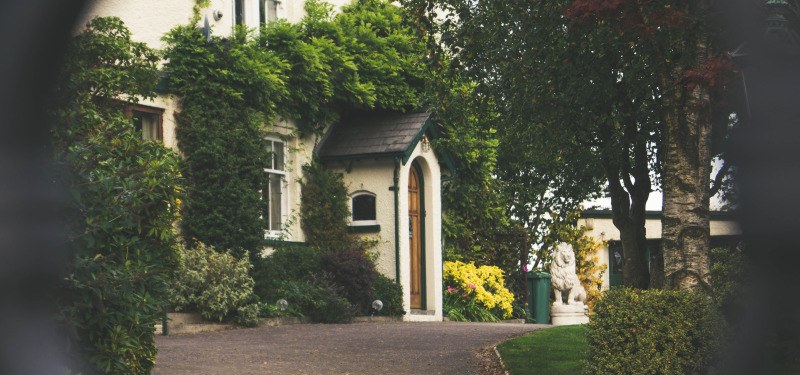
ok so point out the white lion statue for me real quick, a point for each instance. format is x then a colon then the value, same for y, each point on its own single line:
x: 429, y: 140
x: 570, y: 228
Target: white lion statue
x: 565, y: 279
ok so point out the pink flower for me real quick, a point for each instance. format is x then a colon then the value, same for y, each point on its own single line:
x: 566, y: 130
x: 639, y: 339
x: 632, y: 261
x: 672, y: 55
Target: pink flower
x: 451, y: 290
x: 525, y: 268
x: 472, y: 286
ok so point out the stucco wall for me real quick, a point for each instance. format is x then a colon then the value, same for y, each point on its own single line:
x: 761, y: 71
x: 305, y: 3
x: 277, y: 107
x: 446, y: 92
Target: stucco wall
x: 603, y: 229
x: 376, y: 176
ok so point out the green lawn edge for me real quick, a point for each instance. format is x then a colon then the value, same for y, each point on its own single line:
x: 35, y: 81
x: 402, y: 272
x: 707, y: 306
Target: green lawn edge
x: 552, y: 351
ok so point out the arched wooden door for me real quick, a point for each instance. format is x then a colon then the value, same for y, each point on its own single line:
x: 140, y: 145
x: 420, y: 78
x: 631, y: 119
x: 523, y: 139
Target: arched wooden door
x: 415, y: 217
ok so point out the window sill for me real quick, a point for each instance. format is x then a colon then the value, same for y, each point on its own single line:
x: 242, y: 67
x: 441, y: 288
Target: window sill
x: 364, y: 228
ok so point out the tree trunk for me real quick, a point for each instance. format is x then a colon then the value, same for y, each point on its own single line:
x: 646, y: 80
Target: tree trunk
x: 628, y: 209
x: 686, y: 183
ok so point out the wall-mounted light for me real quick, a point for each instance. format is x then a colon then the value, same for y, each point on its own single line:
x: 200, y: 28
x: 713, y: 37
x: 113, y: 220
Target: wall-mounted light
x: 426, y: 144
x: 217, y: 15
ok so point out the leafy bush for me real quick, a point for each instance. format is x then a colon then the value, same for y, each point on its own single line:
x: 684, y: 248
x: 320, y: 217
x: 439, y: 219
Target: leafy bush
x: 482, y: 284
x: 122, y: 196
x: 296, y: 274
x: 354, y: 272
x: 215, y: 284
x: 324, y: 209
x: 291, y: 263
x: 390, y: 293
x: 653, y: 332
x: 729, y: 270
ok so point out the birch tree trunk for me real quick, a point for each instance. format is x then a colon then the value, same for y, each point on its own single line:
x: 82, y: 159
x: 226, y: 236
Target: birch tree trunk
x: 686, y: 183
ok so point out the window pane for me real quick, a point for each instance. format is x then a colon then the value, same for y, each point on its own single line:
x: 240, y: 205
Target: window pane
x: 238, y: 15
x: 262, y: 11
x: 275, y: 202
x: 273, y: 10
x: 363, y: 207
x: 278, y: 150
x: 147, y: 123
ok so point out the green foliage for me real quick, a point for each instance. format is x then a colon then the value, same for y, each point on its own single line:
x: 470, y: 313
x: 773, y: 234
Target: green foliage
x: 390, y: 293
x: 361, y: 57
x: 232, y: 91
x: 654, y: 332
x: 324, y: 208
x: 229, y: 90
x: 213, y: 283
x: 553, y: 351
x: 284, y: 264
x: 354, y: 271
x: 729, y: 274
x: 123, y: 194
x: 296, y: 274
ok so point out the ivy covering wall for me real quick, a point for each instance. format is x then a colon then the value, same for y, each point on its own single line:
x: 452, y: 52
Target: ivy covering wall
x: 233, y: 90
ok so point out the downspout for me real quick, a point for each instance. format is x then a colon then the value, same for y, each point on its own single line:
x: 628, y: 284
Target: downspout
x: 396, y: 189
x: 441, y: 202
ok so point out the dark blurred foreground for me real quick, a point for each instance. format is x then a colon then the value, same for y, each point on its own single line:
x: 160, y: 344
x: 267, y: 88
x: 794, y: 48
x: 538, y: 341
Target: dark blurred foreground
x: 34, y: 33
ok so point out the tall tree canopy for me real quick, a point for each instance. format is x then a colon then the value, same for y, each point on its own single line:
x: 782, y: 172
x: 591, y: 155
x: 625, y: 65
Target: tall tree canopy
x: 590, y: 84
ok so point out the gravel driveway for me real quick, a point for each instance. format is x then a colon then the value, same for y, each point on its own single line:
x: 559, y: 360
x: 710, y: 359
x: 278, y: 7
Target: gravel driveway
x: 359, y: 348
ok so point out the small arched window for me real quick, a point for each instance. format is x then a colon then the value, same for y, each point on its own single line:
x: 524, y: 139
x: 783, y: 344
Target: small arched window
x: 363, y: 208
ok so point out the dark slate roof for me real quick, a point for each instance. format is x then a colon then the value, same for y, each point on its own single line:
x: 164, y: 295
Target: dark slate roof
x: 373, y: 134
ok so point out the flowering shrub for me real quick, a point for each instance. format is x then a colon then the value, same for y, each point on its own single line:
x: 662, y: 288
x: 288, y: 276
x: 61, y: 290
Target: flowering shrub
x: 215, y: 284
x: 461, y: 307
x: 482, y: 286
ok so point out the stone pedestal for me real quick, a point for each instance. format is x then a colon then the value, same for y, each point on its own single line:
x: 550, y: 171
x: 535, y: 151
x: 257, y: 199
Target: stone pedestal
x: 564, y: 315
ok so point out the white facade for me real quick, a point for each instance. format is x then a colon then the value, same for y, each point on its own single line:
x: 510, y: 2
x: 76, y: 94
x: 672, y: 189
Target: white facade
x: 603, y: 229
x: 376, y: 176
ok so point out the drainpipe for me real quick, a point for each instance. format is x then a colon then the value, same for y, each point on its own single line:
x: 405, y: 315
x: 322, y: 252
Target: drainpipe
x: 441, y: 204
x: 396, y: 189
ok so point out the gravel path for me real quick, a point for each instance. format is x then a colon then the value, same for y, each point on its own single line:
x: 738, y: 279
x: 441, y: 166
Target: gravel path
x: 360, y: 348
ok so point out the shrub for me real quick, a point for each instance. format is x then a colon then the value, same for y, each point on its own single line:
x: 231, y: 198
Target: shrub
x: 215, y: 284
x: 483, y: 284
x: 460, y: 306
x: 324, y: 209
x: 390, y: 293
x: 121, y: 198
x: 290, y: 263
x: 653, y: 332
x: 331, y: 306
x: 354, y: 272
x: 729, y: 270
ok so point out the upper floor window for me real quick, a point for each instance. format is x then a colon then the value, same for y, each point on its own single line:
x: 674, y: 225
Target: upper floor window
x: 274, y: 191
x: 252, y: 13
x: 363, y: 208
x: 147, y: 120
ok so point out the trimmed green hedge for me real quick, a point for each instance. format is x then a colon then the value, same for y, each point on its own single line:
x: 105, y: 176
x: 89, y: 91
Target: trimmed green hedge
x: 653, y: 332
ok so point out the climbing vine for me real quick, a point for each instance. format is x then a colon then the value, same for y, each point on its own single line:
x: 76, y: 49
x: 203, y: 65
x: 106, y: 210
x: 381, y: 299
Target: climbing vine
x: 233, y: 89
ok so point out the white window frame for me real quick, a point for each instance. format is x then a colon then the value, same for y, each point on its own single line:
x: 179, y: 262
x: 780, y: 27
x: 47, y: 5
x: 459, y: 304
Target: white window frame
x: 284, y: 204
x: 357, y: 223
x: 252, y: 10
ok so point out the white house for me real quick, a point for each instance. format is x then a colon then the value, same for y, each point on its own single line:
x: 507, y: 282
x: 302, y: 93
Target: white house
x: 392, y: 174
x: 725, y: 232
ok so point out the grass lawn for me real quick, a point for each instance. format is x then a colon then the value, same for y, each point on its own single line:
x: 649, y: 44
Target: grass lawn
x: 557, y: 350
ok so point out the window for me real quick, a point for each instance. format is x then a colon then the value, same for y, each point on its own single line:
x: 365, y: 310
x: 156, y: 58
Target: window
x: 274, y: 192
x: 363, y: 208
x: 253, y: 13
x: 238, y: 12
x: 147, y: 120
